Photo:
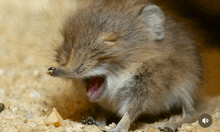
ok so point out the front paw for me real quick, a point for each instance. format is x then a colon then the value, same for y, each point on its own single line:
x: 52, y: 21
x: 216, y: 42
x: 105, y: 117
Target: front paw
x: 169, y: 127
x: 115, y: 130
x: 89, y: 121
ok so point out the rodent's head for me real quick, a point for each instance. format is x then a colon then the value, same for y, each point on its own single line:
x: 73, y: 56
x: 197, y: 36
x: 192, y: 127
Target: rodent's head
x: 108, y: 39
x: 100, y: 41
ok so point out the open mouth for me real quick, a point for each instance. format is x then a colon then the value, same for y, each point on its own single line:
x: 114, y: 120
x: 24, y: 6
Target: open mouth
x: 94, y: 86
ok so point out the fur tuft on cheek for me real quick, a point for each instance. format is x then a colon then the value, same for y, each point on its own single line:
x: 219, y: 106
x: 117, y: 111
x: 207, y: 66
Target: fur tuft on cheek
x: 62, y: 55
x: 101, y: 70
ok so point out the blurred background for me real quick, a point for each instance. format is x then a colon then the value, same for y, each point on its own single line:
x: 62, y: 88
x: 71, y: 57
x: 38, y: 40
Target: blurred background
x: 203, y: 17
x: 29, y: 31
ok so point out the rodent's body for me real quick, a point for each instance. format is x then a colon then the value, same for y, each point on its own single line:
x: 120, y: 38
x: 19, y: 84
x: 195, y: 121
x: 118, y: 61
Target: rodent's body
x: 143, y: 61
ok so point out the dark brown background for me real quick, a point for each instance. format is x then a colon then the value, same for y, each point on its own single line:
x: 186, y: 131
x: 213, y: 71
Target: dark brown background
x: 203, y: 18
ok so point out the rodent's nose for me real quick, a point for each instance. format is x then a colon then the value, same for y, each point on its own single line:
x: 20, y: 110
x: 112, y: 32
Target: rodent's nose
x: 51, y: 68
x: 51, y: 71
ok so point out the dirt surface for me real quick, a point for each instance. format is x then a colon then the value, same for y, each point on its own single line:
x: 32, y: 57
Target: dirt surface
x: 29, y: 31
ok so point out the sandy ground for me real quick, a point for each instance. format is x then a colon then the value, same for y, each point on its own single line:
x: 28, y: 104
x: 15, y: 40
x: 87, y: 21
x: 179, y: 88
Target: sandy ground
x: 29, y: 31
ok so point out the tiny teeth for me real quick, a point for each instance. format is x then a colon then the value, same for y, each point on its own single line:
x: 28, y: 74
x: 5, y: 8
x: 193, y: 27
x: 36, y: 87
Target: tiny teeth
x: 94, y: 94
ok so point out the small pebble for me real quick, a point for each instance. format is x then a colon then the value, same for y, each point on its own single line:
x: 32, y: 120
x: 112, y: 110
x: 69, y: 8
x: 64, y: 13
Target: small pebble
x: 35, y: 94
x: 2, y: 107
x: 113, y: 125
x: 28, y: 114
x: 54, y: 119
x: 26, y: 120
x: 2, y: 71
x: 107, y: 127
x: 43, y: 112
x: 92, y: 129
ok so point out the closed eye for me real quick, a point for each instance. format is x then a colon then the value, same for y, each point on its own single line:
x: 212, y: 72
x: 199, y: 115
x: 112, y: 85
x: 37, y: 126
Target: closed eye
x: 111, y: 39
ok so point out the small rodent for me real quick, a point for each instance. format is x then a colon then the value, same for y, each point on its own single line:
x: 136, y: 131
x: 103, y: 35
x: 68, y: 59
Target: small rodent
x: 135, y: 60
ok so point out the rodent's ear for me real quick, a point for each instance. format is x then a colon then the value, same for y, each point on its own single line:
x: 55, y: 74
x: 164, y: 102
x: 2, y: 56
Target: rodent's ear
x: 154, y: 18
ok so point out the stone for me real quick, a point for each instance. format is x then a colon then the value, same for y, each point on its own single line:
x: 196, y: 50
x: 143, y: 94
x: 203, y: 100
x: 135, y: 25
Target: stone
x: 54, y: 119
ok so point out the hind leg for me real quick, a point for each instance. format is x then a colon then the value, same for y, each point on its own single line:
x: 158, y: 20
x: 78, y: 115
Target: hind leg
x: 189, y: 115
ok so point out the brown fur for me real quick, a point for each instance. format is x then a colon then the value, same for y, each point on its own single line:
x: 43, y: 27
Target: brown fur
x: 159, y: 69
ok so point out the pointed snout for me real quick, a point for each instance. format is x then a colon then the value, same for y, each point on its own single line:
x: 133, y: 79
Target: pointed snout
x: 61, y: 72
x: 55, y: 72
